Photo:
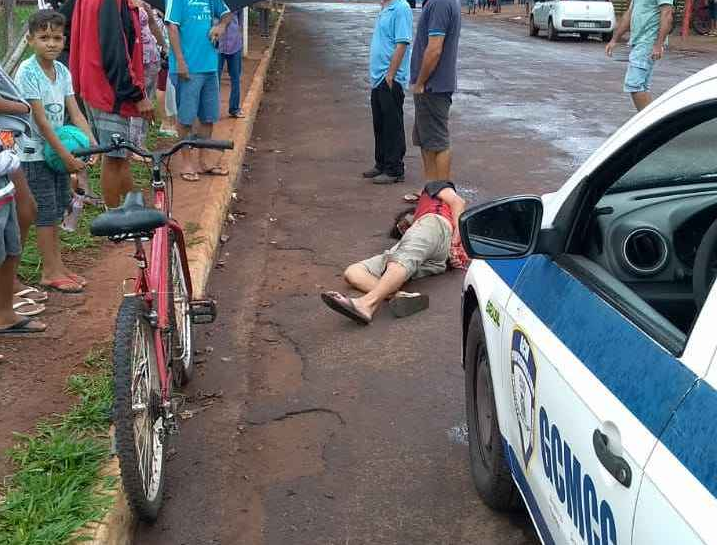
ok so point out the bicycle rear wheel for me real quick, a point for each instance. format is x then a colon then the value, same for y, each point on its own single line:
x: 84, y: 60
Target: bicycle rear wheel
x: 183, y: 339
x: 138, y: 416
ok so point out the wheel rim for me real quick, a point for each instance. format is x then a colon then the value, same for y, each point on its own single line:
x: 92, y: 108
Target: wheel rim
x: 484, y: 407
x: 183, y: 319
x: 148, y: 423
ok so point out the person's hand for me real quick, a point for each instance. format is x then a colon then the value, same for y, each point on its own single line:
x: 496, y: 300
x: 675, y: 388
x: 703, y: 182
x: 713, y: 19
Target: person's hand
x: 146, y: 108
x: 389, y: 81
x: 182, y: 69
x: 418, y: 89
x: 73, y: 164
x: 610, y: 46
x: 215, y: 33
x: 657, y: 52
x: 456, y: 237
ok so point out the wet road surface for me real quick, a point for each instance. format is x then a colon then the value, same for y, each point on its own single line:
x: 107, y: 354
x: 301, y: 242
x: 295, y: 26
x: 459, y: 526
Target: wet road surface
x: 304, y: 427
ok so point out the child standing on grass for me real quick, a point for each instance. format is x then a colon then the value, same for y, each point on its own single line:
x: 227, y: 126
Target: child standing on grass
x: 47, y: 85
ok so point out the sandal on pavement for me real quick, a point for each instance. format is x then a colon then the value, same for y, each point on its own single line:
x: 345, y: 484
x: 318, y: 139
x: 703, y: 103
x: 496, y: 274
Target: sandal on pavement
x: 408, y: 303
x: 23, y: 326
x: 215, y: 171
x: 190, y: 177
x: 33, y: 294
x: 65, y: 285
x: 345, y: 306
x: 27, y: 308
x: 79, y: 279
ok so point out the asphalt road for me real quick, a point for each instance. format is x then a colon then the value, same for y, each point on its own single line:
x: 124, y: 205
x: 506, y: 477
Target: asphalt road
x: 304, y: 427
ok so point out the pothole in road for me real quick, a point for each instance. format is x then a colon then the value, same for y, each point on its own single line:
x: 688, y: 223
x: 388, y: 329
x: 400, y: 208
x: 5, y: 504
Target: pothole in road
x: 278, y: 367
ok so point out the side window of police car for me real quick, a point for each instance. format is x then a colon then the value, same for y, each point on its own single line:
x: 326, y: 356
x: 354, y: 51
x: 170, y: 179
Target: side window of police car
x: 647, y: 243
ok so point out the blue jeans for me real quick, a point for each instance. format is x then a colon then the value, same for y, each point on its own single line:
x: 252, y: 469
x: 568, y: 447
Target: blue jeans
x: 234, y: 67
x: 197, y: 97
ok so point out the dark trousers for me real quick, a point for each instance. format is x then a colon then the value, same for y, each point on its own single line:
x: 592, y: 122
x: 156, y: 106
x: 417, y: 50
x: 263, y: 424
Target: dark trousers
x: 234, y: 67
x: 264, y: 22
x: 387, y: 111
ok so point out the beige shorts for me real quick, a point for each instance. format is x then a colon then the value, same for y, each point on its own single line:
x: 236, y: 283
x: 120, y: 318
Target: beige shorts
x: 423, y: 250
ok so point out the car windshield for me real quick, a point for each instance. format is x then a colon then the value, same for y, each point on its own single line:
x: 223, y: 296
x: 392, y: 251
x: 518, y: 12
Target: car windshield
x: 689, y: 158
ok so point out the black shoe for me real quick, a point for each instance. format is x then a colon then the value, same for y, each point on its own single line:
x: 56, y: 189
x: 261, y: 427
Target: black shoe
x: 388, y: 179
x: 373, y: 173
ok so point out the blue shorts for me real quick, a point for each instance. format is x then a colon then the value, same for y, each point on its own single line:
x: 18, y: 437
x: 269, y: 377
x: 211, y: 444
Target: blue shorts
x: 9, y: 231
x: 197, y: 97
x: 640, y: 69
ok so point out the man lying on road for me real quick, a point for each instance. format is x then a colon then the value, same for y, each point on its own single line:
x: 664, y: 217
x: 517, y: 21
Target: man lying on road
x: 422, y: 251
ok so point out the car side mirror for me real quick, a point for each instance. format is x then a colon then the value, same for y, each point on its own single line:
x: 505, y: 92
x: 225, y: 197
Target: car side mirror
x: 506, y: 228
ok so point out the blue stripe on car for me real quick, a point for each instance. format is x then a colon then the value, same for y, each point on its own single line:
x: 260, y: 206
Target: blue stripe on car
x: 648, y: 380
x: 531, y: 503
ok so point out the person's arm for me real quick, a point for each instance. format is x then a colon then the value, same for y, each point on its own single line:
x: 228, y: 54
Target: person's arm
x: 115, y: 61
x: 72, y: 164
x: 78, y: 119
x: 218, y: 30
x: 8, y: 106
x: 154, y: 27
x: 666, y: 11
x: 395, y: 63
x: 457, y: 205
x: 176, y: 45
x: 432, y: 54
x: 623, y: 26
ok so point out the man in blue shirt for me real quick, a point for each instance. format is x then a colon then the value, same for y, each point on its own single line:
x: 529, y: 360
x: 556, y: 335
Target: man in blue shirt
x: 389, y: 73
x: 193, y: 66
x: 434, y: 77
x: 650, y: 22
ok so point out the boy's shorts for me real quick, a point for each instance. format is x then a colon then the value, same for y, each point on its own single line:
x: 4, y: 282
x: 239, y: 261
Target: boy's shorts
x: 197, y: 97
x: 640, y: 69
x: 51, y: 191
x: 431, y: 121
x: 9, y: 232
x: 423, y: 250
x: 105, y: 125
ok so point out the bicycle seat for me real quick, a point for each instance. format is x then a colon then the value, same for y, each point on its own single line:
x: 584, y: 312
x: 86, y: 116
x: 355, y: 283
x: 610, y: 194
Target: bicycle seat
x: 130, y: 219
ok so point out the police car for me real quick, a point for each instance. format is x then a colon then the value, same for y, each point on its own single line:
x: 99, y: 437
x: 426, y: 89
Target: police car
x: 589, y: 337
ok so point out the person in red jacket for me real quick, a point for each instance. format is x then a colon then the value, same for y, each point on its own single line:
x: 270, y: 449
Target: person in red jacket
x: 106, y: 67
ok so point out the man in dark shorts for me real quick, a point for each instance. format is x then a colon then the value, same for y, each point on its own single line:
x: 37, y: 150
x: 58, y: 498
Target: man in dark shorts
x: 433, y: 75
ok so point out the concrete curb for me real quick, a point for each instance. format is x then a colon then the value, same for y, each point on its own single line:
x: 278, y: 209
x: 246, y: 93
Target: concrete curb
x: 118, y: 525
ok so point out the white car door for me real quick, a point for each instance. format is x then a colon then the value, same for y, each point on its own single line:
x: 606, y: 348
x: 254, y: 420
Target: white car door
x: 679, y: 486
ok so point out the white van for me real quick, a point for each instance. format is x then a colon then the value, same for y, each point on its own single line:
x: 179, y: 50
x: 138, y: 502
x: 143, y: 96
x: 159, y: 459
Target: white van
x: 584, y: 17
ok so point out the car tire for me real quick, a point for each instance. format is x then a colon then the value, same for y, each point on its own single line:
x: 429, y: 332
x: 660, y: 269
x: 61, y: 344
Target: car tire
x: 552, y: 34
x: 533, y: 29
x: 584, y: 37
x: 489, y: 469
x: 606, y: 36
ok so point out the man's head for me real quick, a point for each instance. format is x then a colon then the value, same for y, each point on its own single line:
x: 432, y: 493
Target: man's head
x: 46, y: 33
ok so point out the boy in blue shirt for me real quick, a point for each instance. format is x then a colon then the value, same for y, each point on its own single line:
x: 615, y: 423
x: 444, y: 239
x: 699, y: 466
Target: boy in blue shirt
x: 389, y: 73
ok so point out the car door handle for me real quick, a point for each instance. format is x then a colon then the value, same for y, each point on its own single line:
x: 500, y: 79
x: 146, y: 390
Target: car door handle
x: 616, y: 466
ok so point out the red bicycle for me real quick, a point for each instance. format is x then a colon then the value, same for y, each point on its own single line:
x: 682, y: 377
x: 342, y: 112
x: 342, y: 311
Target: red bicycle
x: 153, y: 346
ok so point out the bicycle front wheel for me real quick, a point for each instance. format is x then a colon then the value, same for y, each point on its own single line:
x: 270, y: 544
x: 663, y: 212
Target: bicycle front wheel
x: 183, y: 341
x: 139, y: 420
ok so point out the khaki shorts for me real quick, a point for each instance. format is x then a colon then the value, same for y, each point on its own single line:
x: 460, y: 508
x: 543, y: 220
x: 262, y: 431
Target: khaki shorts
x: 423, y: 250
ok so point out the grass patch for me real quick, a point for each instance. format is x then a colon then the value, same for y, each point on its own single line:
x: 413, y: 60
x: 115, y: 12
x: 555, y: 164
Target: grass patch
x: 58, y: 487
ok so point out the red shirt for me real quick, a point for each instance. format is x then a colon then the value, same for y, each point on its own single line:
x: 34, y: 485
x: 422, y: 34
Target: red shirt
x: 106, y: 55
x: 429, y: 203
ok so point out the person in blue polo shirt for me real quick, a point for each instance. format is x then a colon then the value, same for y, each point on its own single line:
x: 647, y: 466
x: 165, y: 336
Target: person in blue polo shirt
x: 389, y: 73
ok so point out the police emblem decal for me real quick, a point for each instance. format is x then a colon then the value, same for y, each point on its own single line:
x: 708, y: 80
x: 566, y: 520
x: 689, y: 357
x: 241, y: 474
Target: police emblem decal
x: 523, y: 382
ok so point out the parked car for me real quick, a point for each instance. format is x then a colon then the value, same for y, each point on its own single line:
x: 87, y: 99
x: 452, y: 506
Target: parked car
x: 412, y: 3
x: 589, y: 342
x: 584, y: 17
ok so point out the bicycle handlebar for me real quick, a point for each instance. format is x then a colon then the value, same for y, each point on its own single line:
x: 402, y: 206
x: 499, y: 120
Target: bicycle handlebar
x: 159, y: 155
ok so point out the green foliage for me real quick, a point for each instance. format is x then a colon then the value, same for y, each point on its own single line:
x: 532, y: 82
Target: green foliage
x: 58, y: 487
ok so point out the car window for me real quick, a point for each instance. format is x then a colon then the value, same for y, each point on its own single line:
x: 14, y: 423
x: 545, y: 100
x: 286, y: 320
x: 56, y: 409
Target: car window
x: 689, y: 158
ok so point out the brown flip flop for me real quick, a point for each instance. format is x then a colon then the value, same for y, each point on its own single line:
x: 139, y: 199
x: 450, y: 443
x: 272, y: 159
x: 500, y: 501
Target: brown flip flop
x: 344, y: 306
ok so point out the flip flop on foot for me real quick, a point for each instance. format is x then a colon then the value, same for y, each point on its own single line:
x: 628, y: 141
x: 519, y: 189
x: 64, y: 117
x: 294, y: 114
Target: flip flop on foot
x: 79, y: 279
x: 408, y: 303
x: 24, y: 326
x: 65, y: 285
x: 27, y: 308
x: 33, y: 294
x: 215, y: 171
x: 345, y: 306
x: 189, y: 177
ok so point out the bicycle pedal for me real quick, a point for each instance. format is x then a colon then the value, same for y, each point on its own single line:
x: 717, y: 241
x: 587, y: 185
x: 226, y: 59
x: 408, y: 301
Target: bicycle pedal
x: 203, y: 311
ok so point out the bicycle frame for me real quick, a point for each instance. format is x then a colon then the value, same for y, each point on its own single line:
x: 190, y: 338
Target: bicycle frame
x: 152, y: 280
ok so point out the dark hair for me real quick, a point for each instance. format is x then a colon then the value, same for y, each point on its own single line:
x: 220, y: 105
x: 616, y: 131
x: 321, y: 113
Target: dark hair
x: 45, y: 18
